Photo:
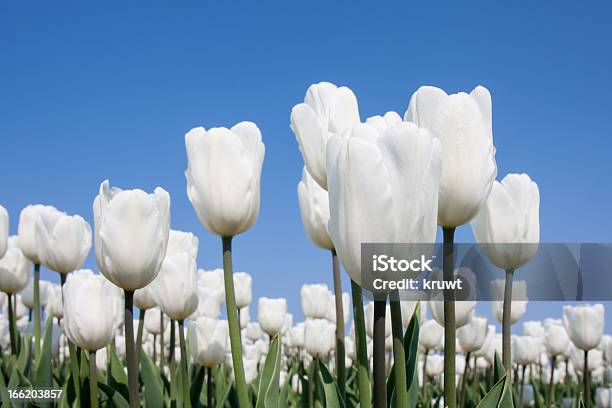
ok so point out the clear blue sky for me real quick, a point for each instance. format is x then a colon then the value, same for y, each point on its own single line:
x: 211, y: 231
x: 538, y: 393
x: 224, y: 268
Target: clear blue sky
x: 94, y: 91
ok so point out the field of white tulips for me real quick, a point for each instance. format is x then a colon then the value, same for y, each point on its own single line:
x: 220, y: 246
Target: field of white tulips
x: 148, y: 328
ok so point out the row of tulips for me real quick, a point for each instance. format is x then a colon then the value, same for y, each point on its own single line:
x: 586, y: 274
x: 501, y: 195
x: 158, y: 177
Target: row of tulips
x: 386, y: 179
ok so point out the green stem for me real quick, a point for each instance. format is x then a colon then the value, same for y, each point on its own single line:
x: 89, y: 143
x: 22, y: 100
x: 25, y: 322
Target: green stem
x: 450, y: 396
x: 74, y: 363
x: 585, y: 380
x: 12, y: 324
x: 141, y: 317
x: 93, y: 381
x: 361, y: 347
x: 312, y: 383
x: 379, y: 371
x: 185, y: 382
x: 425, y: 387
x: 399, y: 355
x: 340, y: 363
x: 550, y: 383
x: 506, y: 323
x: 171, y: 346
x: 162, y: 360
x: 129, y: 350
x: 36, y: 311
x: 209, y: 388
x: 464, y: 379
x: 234, y: 324
x: 522, y: 385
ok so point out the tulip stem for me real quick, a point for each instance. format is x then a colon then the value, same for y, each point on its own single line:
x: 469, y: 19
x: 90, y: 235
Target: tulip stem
x: 185, y: 382
x: 585, y: 380
x: 361, y: 347
x: 171, y: 345
x: 161, y: 340
x: 550, y: 383
x: 399, y: 354
x: 424, y: 388
x: 234, y: 324
x: 141, y: 317
x: 12, y: 324
x: 464, y: 378
x: 312, y: 382
x: 129, y: 350
x: 450, y: 396
x: 74, y: 363
x: 522, y: 385
x: 209, y: 388
x: 380, y: 388
x: 93, y: 381
x: 154, y: 348
x: 506, y: 324
x: 340, y: 363
x: 36, y: 311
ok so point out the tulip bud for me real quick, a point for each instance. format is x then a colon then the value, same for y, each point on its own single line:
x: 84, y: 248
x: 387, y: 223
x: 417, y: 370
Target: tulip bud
x: 319, y: 337
x: 315, y: 299
x: 314, y: 208
x: 54, y: 306
x: 131, y: 234
x: 175, y: 288
x: 242, y: 286
x: 208, y: 341
x: 472, y: 335
x: 143, y: 298
x: 431, y: 335
x: 271, y: 315
x: 28, y: 232
x: 223, y: 176
x: 519, y: 302
x: 584, y: 325
x: 90, y: 320
x: 297, y: 335
x: 153, y: 321
x: 526, y: 350
x: 330, y: 314
x: 327, y: 111
x: 4, y: 230
x: 556, y: 339
x: 14, y: 268
x: 463, y: 124
x: 435, y: 365
x: 63, y: 241
x: 208, y: 303
x: 533, y: 328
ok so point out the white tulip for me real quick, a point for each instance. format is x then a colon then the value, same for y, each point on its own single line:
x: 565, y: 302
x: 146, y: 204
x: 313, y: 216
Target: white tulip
x: 377, y: 179
x: 526, y: 350
x: 223, y: 176
x: 4, y: 230
x: 464, y: 311
x: 253, y: 331
x: 208, y: 303
x: 208, y: 341
x: 369, y: 320
x: 435, y: 365
x: 131, y: 234
x: 595, y: 359
x: 245, y: 317
x: 315, y: 299
x: 14, y: 268
x: 519, y: 300
x: 297, y: 335
x: 175, y: 288
x: 319, y: 337
x: 472, y: 335
x: 584, y: 325
x: 533, y: 328
x: 90, y: 320
x: 63, y: 241
x: 508, y: 226
x: 271, y: 314
x: 603, y: 397
x: 314, y: 208
x: 27, y: 229
x: 431, y: 335
x: 327, y: 110
x: 143, y: 298
x: 242, y: 286
x: 556, y: 339
x: 383, y: 122
x: 331, y: 308
x: 214, y: 281
x: 488, y: 347
x: 54, y: 306
x: 27, y: 294
x: 102, y: 360
x: 463, y: 124
x: 153, y: 321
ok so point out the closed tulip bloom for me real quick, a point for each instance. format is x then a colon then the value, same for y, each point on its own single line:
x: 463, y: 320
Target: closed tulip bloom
x: 327, y: 110
x: 271, y: 314
x: 464, y: 311
x: 315, y: 299
x: 463, y: 124
x: 14, y: 268
x: 431, y: 335
x: 242, y: 286
x: 526, y: 350
x: 208, y: 341
x: 603, y: 397
x: 28, y: 232
x: 208, y: 303
x: 319, y: 337
x: 4, y: 230
x: 488, y: 347
x: 331, y: 308
x: 63, y: 241
x: 253, y: 331
x: 533, y: 328
x: 472, y: 335
x: 519, y: 300
x: 369, y: 320
x: 175, y: 288
x: 223, y: 176
x: 435, y: 365
x: 584, y: 324
x: 297, y: 335
x: 314, y: 208
x: 213, y: 280
x: 377, y: 179
x: 594, y: 359
x: 153, y: 322
x: 509, y: 223
x: 606, y: 347
x: 556, y: 340
x: 90, y: 320
x: 143, y: 298
x: 55, y: 307
x: 131, y: 229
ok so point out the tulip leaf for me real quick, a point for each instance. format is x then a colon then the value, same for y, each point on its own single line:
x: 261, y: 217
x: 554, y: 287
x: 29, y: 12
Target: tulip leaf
x: 195, y: 390
x: 500, y: 396
x: 117, y: 378
x: 411, y: 344
x: 115, y: 399
x: 498, y: 369
x: 222, y: 398
x: 24, y: 358
x: 43, y: 372
x: 4, y: 397
x: 330, y: 387
x: 153, y: 394
x: 268, y: 391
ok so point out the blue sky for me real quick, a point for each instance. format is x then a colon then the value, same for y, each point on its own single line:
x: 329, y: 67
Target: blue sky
x: 95, y: 91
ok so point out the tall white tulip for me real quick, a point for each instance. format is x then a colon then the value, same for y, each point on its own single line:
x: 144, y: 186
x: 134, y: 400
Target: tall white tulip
x: 4, y: 230
x: 327, y: 110
x: 143, y: 298
x: 314, y: 208
x: 431, y: 335
x: 315, y: 299
x: 223, y: 179
x: 526, y: 350
x: 464, y: 311
x: 14, y: 268
x: 55, y: 306
x: 244, y: 292
x: 208, y: 341
x: 271, y: 314
x: 533, y: 328
x: 472, y: 336
x: 319, y: 337
x: 518, y: 304
x: 63, y: 241
x: 153, y: 321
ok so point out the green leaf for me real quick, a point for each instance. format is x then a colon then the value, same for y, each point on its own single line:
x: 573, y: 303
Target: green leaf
x: 152, y: 383
x: 4, y: 397
x: 224, y: 396
x: 24, y: 359
x: 115, y: 399
x: 500, y: 396
x: 196, y: 386
x: 268, y: 391
x: 411, y: 344
x: 330, y: 388
x: 413, y: 390
x: 498, y: 369
x: 117, y: 378
x: 43, y: 372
